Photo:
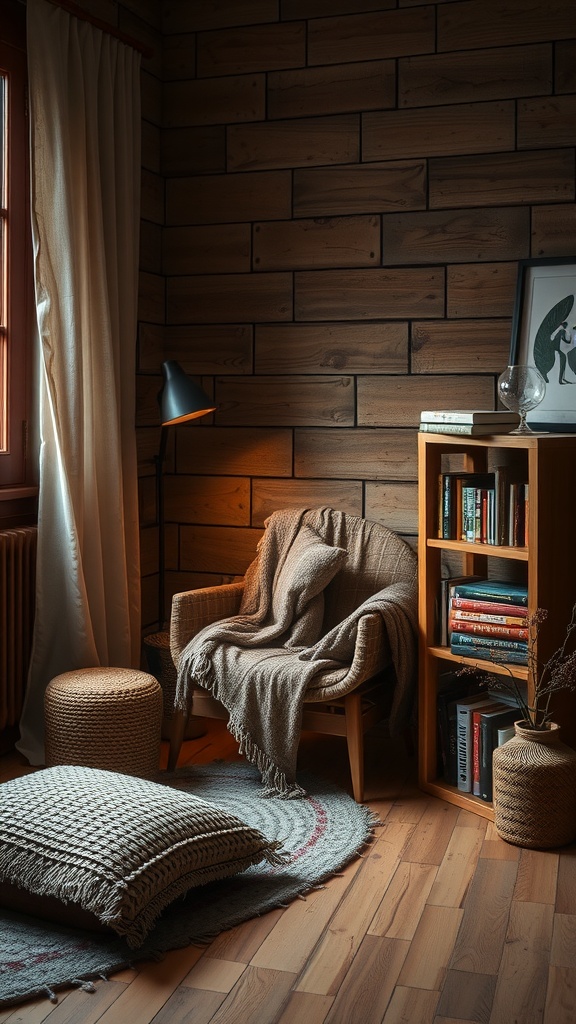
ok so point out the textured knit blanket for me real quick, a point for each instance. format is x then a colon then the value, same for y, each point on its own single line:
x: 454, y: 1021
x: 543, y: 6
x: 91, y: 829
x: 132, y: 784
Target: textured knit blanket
x: 292, y: 637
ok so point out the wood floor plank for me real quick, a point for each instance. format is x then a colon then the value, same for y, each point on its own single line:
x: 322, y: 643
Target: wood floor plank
x: 369, y: 984
x: 486, y: 909
x: 457, y: 868
x: 151, y: 988
x: 563, y: 952
x: 241, y: 942
x: 332, y: 957
x: 496, y: 848
x: 566, y: 894
x: 400, y: 910
x: 561, y: 996
x: 305, y: 1006
x: 189, y: 1006
x: 258, y: 997
x: 522, y: 980
x: 411, y: 1005
x: 467, y: 996
x: 431, y: 948
x: 214, y: 975
x: 86, y: 1007
x: 429, y: 842
x: 303, y: 923
x: 537, y: 876
x: 33, y: 1011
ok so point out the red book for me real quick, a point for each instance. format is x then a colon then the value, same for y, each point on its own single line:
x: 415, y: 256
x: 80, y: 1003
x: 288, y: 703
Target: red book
x: 488, y: 628
x: 489, y: 607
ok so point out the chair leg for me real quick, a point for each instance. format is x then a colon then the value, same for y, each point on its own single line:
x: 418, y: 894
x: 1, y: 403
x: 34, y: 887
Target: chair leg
x: 355, y: 740
x: 179, y: 720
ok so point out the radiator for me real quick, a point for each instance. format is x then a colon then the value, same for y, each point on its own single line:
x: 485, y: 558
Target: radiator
x: 17, y: 586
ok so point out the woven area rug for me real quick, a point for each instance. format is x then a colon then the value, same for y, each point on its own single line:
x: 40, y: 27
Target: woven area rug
x: 321, y: 833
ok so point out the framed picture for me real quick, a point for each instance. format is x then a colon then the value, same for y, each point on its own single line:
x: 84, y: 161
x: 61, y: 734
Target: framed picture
x: 544, y: 335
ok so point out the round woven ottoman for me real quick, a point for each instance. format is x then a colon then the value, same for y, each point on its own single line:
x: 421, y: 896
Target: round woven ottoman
x: 104, y: 718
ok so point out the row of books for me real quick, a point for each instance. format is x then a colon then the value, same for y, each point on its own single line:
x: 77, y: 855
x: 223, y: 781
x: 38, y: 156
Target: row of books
x: 469, y: 422
x: 485, y: 619
x: 483, y: 508
x: 470, y: 726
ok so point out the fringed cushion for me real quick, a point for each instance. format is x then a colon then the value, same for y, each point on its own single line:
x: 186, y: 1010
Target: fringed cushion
x: 118, y: 847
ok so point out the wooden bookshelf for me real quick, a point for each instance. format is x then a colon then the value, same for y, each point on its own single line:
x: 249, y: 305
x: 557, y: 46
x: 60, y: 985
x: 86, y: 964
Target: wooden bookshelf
x: 547, y: 565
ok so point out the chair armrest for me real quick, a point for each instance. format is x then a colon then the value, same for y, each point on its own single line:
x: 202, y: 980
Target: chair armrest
x: 371, y: 655
x: 194, y: 609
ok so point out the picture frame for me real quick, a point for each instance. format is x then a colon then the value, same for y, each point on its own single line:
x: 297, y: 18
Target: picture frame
x: 544, y: 335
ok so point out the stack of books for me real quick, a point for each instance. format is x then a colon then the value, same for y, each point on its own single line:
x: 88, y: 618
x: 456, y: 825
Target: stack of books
x: 488, y: 619
x: 471, y: 422
x: 472, y: 722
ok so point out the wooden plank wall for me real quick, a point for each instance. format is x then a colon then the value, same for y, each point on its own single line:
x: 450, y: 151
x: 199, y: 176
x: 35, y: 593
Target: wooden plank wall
x: 330, y: 245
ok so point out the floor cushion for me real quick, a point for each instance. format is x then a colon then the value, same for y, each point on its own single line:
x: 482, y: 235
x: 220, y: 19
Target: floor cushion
x: 114, y: 847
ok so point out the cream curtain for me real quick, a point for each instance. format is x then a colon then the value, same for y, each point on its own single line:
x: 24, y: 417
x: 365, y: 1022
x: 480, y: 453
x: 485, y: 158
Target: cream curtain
x: 85, y: 146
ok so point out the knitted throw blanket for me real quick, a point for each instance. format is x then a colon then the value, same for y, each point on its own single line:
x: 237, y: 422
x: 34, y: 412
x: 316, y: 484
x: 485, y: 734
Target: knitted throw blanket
x: 261, y: 663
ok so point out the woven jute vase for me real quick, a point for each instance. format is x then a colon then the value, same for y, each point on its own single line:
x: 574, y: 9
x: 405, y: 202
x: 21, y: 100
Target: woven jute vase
x: 534, y: 788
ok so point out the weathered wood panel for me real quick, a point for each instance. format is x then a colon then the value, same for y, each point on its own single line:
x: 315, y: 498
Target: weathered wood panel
x: 150, y: 247
x: 152, y: 197
x: 331, y: 348
x: 151, y: 297
x: 326, y: 242
x: 224, y: 198
x: 257, y: 48
x: 286, y: 401
x: 456, y: 236
x: 506, y: 179
x: 359, y: 454
x: 236, y: 451
x: 214, y: 100
x: 151, y: 97
x: 193, y: 150
x: 179, y: 56
x: 378, y: 187
x: 151, y: 137
x: 335, y: 89
x: 320, y: 8
x: 553, y: 230
x: 218, y: 549
x: 481, y: 289
x: 207, y: 500
x: 438, y: 131
x: 565, y: 68
x: 395, y: 505
x: 270, y: 495
x: 398, y: 401
x: 368, y: 294
x: 213, y: 249
x: 183, y: 16
x: 229, y: 298
x: 199, y: 350
x: 493, y: 23
x: 493, y: 74
x: 302, y: 142
x: 370, y: 36
x: 547, y: 123
x: 463, y: 346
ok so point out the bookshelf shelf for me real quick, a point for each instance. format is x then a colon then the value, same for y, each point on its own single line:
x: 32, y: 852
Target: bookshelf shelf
x: 546, y: 566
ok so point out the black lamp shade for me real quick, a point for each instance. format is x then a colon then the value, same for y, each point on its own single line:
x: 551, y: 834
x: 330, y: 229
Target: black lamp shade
x: 181, y: 399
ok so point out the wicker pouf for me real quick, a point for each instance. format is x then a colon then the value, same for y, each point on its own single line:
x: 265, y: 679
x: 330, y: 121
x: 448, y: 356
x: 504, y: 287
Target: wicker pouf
x: 104, y: 718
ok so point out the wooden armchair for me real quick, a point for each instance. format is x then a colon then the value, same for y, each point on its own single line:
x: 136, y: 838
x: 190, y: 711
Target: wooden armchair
x: 369, y: 685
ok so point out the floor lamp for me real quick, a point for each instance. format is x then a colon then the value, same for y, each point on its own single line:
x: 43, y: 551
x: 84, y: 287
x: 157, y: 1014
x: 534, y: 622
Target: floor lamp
x: 180, y: 400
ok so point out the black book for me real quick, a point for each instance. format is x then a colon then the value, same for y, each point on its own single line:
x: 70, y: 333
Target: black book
x: 452, y: 689
x: 490, y: 722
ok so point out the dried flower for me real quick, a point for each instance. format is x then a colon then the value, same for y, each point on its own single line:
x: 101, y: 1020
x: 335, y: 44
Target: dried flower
x: 557, y: 673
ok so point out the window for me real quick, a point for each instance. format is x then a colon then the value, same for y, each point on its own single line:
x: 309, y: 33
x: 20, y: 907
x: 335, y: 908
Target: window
x: 15, y: 254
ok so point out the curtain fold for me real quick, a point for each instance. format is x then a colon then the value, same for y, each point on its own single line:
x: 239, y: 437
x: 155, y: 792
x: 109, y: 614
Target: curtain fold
x: 85, y: 169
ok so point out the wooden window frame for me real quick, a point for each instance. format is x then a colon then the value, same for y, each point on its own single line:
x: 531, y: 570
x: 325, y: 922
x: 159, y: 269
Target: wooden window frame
x: 17, y: 487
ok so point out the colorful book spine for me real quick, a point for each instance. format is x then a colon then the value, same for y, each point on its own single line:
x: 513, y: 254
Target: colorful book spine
x: 486, y: 590
x: 489, y: 608
x: 493, y: 629
x: 488, y: 642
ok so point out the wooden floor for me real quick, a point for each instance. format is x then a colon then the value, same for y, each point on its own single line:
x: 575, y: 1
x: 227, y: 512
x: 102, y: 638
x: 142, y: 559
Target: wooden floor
x: 439, y: 922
